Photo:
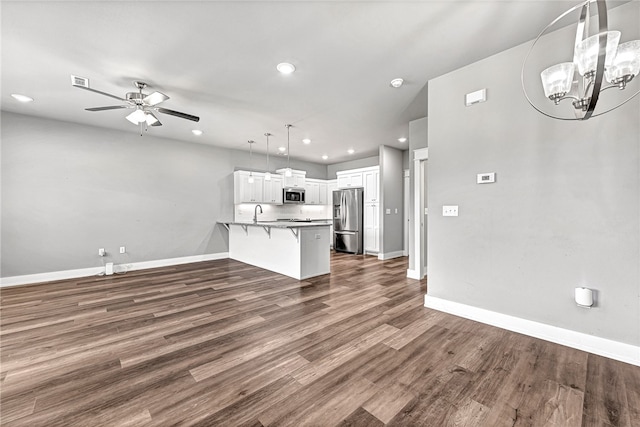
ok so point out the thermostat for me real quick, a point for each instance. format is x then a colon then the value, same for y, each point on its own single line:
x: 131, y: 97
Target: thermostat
x: 486, y: 178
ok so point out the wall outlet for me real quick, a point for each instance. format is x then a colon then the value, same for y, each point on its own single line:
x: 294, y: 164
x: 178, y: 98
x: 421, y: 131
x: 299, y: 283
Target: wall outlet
x: 108, y: 269
x: 122, y: 249
x: 388, y: 211
x: 449, y: 210
x: 101, y: 252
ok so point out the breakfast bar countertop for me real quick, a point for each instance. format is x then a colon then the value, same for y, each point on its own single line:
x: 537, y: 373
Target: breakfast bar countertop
x: 281, y: 224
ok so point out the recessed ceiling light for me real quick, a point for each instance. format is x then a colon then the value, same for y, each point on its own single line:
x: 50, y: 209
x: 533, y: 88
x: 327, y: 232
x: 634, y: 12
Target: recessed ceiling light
x: 325, y: 157
x: 306, y: 141
x: 403, y: 139
x: 285, y: 68
x: 21, y: 98
x: 396, y: 82
x: 351, y: 151
x: 282, y: 149
x: 196, y: 132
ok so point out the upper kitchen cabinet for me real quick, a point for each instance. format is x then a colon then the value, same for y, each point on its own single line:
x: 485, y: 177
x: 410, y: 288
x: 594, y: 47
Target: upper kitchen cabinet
x: 260, y: 191
x: 312, y: 192
x: 245, y: 191
x: 315, y: 192
x: 273, y: 190
x: 296, y: 180
x: 348, y: 179
x: 371, y: 185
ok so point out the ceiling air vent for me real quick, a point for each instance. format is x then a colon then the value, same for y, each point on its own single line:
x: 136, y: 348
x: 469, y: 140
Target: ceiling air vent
x: 79, y: 81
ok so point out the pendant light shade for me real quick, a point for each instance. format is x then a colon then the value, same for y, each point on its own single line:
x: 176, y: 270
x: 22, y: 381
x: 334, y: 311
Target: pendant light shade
x: 267, y: 175
x: 288, y: 172
x: 586, y: 52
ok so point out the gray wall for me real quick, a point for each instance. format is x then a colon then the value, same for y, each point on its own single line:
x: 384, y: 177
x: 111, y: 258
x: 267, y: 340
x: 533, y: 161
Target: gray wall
x: 564, y: 212
x: 352, y: 164
x: 417, y: 139
x: 391, y: 183
x: 69, y: 189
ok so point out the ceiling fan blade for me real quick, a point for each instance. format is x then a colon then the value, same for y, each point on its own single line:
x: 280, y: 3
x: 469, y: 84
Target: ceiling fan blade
x: 113, y: 107
x: 178, y: 114
x: 101, y: 93
x: 151, y: 119
x: 155, y: 98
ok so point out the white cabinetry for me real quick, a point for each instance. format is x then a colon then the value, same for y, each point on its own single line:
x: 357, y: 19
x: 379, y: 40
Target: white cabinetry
x: 348, y: 179
x: 371, y: 227
x: 296, y: 180
x: 273, y: 190
x: 260, y: 191
x: 372, y: 186
x: 322, y: 193
x: 245, y: 191
x: 312, y: 192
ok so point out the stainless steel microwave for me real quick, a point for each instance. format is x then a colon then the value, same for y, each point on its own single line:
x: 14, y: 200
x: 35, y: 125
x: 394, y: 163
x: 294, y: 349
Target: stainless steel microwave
x: 293, y: 195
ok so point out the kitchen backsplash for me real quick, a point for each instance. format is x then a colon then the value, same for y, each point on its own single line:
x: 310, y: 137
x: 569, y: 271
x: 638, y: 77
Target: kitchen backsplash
x: 244, y: 212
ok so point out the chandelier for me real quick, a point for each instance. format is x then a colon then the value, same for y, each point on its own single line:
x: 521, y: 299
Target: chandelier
x: 599, y: 62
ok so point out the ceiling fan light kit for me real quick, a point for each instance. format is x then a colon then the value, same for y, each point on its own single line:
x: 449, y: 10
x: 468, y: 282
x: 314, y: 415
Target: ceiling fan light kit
x: 144, y: 105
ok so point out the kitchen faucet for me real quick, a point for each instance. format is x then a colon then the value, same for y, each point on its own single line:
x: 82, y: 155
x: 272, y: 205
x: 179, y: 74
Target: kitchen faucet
x: 255, y: 213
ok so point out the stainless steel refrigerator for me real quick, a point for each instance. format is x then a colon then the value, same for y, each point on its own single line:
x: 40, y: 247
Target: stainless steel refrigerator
x: 347, y: 220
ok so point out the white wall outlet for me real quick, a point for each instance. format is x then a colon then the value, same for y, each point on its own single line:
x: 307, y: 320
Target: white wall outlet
x: 450, y: 210
x: 396, y: 210
x: 388, y: 211
x: 486, y: 178
x: 101, y: 252
x: 123, y: 250
x: 108, y: 269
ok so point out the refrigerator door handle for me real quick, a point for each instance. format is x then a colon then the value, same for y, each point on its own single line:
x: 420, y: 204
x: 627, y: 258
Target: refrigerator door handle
x: 346, y: 232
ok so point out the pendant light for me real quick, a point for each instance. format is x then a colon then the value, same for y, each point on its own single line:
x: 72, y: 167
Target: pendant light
x: 287, y: 172
x: 267, y: 175
x: 250, y: 160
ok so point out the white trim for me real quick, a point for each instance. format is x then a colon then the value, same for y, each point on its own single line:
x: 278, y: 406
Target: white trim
x: 389, y: 255
x: 92, y: 271
x: 601, y: 346
x: 358, y: 170
x: 414, y: 274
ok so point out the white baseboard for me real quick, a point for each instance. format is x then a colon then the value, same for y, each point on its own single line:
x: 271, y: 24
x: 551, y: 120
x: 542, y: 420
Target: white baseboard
x: 389, y: 255
x: 413, y: 274
x: 601, y: 346
x: 92, y: 271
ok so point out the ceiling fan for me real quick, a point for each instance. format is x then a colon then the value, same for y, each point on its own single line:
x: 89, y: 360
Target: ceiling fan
x: 144, y: 105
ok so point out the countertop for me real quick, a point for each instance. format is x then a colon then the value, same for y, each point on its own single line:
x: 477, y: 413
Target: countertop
x: 281, y: 224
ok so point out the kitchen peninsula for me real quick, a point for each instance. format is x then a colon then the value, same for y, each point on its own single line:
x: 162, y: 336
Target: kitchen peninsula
x: 298, y: 249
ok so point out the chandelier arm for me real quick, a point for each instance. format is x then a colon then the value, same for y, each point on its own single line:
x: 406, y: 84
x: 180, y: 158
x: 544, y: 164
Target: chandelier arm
x: 524, y: 63
x: 602, y: 42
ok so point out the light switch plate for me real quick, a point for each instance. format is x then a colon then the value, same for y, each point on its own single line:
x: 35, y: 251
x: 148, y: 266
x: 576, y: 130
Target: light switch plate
x: 449, y: 210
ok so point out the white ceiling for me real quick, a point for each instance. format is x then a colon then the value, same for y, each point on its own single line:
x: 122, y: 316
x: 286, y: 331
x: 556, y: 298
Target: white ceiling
x: 217, y: 60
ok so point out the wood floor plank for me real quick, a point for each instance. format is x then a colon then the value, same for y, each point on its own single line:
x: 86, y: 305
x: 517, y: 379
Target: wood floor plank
x: 222, y: 343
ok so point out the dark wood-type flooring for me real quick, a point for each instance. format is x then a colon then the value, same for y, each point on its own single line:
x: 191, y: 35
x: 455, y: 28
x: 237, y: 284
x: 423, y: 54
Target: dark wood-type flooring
x: 221, y: 343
